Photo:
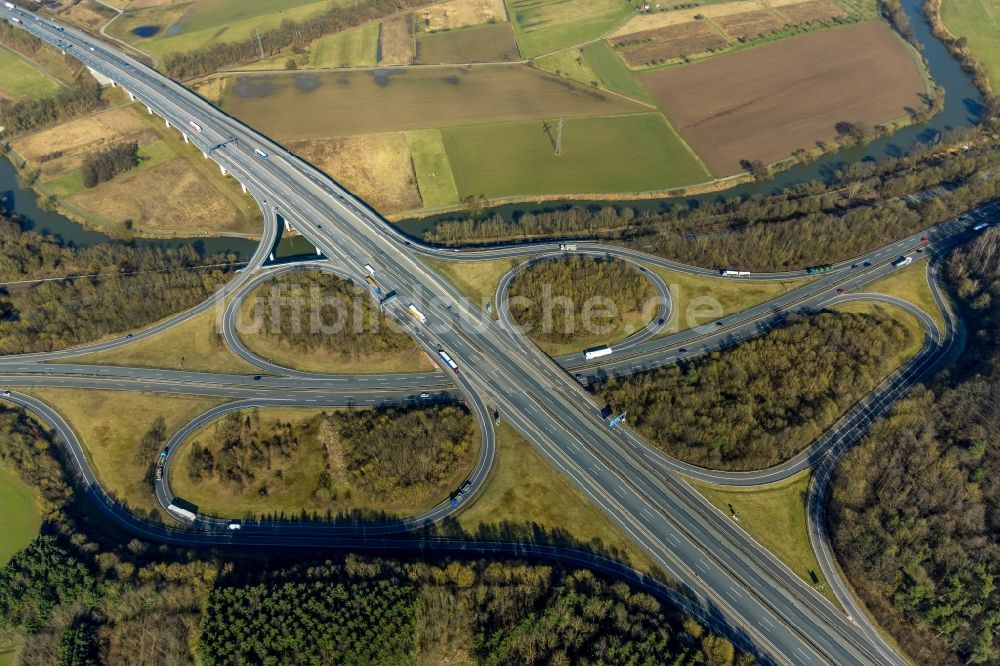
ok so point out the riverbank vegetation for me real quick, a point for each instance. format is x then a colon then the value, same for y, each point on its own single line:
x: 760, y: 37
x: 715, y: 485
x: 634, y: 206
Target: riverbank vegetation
x: 914, y: 506
x: 569, y: 303
x: 329, y: 464
x: 807, y: 224
x: 317, y: 322
x: 762, y: 402
x: 85, y: 589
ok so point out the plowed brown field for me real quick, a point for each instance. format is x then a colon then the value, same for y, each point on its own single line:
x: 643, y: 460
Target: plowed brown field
x: 766, y: 102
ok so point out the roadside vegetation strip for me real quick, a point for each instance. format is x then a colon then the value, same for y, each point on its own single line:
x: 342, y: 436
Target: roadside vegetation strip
x: 543, y: 26
x: 775, y: 516
x: 290, y: 462
x: 195, y: 345
x: 632, y: 153
x: 432, y: 167
x: 761, y: 403
x: 698, y: 299
x: 477, y: 280
x: 315, y: 322
x: 910, y: 284
x: 525, y: 498
x: 22, y: 79
x: 122, y: 434
x: 329, y: 104
x: 20, y: 518
x: 731, y: 108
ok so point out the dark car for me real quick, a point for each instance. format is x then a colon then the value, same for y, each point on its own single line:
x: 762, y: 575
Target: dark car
x: 867, y: 264
x: 128, y: 337
x: 660, y: 321
x: 256, y: 378
x: 718, y: 323
x: 840, y: 291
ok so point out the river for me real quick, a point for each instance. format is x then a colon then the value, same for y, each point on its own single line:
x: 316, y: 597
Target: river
x: 962, y: 107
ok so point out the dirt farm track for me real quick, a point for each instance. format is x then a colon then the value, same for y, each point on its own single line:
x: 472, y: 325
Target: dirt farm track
x: 766, y: 102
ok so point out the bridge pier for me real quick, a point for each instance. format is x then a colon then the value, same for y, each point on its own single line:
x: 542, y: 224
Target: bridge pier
x: 223, y: 170
x: 204, y: 154
x: 149, y: 109
x: 243, y: 187
x: 318, y: 253
x: 288, y: 226
x: 131, y: 96
x: 186, y: 139
x: 166, y: 122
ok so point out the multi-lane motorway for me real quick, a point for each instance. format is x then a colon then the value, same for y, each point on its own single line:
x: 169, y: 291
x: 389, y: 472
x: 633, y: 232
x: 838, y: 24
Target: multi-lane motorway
x: 634, y: 485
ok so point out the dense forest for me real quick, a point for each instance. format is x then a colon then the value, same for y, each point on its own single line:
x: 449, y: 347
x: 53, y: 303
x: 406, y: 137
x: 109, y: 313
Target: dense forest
x: 123, y: 287
x: 382, y: 454
x: 83, y: 594
x: 106, y: 164
x: 308, y: 310
x: 807, y: 224
x: 289, y: 35
x: 576, y: 297
x: 915, y: 508
x: 760, y: 403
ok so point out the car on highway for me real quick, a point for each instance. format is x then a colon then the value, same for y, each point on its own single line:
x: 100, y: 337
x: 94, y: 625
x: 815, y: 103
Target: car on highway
x: 660, y: 321
x: 925, y: 239
x: 719, y: 323
x: 840, y: 290
x: 5, y: 394
x: 425, y: 395
x: 233, y: 526
x: 128, y: 337
x: 256, y: 378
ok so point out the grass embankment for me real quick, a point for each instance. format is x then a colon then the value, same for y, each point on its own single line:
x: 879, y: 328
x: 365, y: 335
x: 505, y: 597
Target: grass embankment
x: 697, y: 300
x: 774, y: 515
x: 22, y: 79
x: 195, y: 345
x: 525, y: 491
x: 979, y: 22
x: 110, y: 425
x: 478, y: 280
x: 19, y: 515
x: 290, y: 484
x: 910, y: 284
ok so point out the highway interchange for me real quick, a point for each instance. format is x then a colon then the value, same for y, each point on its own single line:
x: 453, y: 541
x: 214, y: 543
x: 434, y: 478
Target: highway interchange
x: 728, y: 578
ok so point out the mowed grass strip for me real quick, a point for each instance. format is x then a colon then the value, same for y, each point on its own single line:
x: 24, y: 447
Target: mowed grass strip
x: 634, y: 153
x: 524, y: 490
x: 613, y: 73
x: 910, y: 284
x: 430, y: 162
x: 766, y: 102
x: 20, y: 518
x: 774, y: 515
x: 308, y: 105
x: 195, y: 345
x: 110, y: 425
x: 485, y: 43
x: 549, y: 25
x: 477, y: 280
x: 979, y: 22
x: 697, y: 300
x: 21, y: 80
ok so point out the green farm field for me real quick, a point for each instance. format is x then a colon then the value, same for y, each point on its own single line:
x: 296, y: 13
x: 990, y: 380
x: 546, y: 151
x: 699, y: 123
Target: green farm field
x: 328, y: 104
x: 979, y: 22
x: 351, y: 48
x: 543, y: 26
x: 430, y: 162
x: 21, y: 79
x: 188, y: 26
x: 612, y: 72
x: 484, y: 43
x: 620, y: 154
x: 19, y: 515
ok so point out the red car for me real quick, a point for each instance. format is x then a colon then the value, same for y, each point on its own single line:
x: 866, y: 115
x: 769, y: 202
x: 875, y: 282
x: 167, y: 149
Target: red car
x: 840, y: 291
x: 925, y: 239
